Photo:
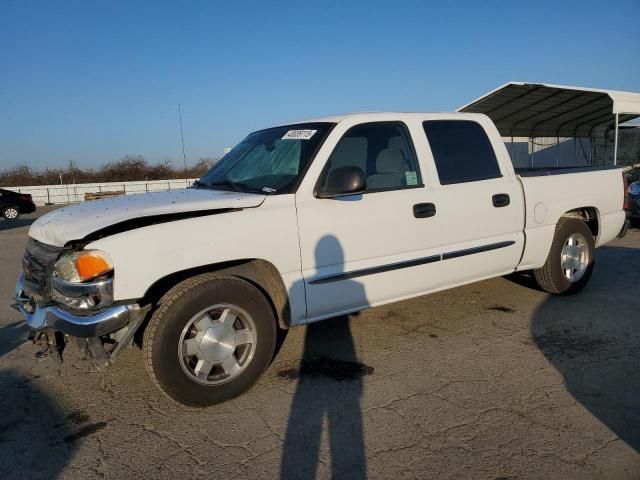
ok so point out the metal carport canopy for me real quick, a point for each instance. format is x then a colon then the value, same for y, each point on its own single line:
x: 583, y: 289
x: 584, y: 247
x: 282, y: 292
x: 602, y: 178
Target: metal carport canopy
x: 521, y: 109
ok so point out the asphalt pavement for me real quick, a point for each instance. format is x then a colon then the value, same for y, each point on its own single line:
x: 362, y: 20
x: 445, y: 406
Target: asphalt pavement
x: 494, y: 380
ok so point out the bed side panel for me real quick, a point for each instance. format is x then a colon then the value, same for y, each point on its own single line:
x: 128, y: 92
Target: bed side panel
x: 549, y: 197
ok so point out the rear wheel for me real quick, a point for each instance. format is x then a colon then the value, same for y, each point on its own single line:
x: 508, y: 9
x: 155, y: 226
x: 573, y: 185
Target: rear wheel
x: 570, y: 261
x: 209, y: 340
x: 10, y: 213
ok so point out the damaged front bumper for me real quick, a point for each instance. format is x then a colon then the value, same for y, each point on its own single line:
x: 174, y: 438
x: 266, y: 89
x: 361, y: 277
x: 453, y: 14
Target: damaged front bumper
x: 101, y: 322
x: 102, y: 333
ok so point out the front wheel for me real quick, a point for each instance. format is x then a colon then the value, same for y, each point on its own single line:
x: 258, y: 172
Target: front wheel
x: 209, y: 340
x: 570, y: 261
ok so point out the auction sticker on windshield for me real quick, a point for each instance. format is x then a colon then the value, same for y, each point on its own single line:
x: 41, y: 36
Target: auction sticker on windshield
x: 299, y: 134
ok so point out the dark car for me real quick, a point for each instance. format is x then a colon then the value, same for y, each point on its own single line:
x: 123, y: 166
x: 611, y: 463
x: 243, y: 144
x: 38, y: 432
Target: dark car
x: 13, y: 204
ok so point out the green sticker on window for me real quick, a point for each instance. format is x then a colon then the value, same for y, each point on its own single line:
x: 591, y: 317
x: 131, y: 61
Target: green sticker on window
x: 411, y: 178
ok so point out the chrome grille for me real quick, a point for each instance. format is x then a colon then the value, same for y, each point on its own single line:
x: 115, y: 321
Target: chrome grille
x: 37, y: 264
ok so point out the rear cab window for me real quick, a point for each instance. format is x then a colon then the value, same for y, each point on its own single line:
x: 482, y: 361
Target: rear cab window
x: 383, y: 151
x: 461, y: 150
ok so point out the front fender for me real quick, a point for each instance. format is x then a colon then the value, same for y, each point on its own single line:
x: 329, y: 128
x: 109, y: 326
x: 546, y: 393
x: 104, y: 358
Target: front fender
x: 146, y: 255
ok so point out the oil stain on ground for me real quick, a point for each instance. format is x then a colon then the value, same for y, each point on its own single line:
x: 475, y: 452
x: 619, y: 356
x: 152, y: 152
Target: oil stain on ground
x: 338, y: 370
x: 78, y: 417
x: 85, y: 431
x: 501, y: 308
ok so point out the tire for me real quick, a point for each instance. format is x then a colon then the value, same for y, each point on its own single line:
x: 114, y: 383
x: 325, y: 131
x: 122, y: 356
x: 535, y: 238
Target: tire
x: 10, y: 212
x: 178, y: 328
x: 555, y: 279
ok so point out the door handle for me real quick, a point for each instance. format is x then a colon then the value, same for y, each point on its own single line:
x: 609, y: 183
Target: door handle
x: 501, y: 200
x: 424, y: 210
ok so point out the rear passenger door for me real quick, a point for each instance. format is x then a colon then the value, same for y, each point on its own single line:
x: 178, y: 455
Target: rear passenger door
x: 479, y: 202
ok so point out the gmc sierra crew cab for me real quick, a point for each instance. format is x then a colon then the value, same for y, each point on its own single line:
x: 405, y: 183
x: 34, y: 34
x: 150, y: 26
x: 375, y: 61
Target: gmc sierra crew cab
x: 299, y: 223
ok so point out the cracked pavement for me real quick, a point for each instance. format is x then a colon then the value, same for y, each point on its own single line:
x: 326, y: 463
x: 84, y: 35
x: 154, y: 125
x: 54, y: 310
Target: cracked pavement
x: 494, y: 380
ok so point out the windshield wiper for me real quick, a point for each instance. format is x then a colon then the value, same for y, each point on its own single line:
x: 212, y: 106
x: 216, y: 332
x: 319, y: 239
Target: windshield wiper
x: 224, y: 183
x: 236, y: 186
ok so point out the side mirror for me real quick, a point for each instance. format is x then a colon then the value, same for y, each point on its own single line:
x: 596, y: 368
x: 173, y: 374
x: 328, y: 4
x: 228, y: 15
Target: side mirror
x: 343, y: 181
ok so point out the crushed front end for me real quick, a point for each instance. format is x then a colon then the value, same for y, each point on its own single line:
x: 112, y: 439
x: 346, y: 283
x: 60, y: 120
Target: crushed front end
x: 67, y: 293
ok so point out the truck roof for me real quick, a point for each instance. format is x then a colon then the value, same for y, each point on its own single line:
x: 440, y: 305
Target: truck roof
x: 378, y: 116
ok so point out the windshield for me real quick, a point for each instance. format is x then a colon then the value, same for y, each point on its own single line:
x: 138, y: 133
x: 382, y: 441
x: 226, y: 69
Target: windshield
x: 269, y: 161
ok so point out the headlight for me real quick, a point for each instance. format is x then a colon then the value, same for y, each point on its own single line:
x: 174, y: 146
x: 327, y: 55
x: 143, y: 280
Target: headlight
x: 82, y: 296
x: 84, y: 265
x: 634, y: 188
x: 81, y: 280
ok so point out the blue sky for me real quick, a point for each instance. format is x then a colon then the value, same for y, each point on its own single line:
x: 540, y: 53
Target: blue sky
x: 92, y: 81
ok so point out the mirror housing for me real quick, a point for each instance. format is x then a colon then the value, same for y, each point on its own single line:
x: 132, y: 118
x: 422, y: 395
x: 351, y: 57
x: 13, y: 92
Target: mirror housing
x: 343, y: 181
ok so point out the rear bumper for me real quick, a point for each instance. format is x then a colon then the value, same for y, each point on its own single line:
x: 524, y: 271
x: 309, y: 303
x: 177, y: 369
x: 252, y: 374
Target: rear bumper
x: 611, y: 225
x: 101, y: 322
x: 27, y: 207
x: 624, y: 229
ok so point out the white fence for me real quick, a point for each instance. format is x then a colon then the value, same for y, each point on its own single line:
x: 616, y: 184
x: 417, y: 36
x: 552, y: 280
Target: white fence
x: 74, y: 193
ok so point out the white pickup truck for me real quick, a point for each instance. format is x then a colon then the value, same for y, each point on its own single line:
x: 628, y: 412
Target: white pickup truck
x: 299, y: 223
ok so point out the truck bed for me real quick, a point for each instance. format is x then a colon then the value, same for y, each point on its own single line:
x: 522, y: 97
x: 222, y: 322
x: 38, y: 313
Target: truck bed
x: 545, y: 171
x: 550, y: 193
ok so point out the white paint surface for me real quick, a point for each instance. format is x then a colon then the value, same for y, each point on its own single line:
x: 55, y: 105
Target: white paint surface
x: 305, y: 237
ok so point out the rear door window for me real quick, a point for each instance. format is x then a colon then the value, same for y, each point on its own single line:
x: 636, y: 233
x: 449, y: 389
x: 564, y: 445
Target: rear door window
x: 461, y: 150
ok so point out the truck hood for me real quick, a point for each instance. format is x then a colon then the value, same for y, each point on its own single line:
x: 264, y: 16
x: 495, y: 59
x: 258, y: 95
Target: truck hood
x: 76, y: 222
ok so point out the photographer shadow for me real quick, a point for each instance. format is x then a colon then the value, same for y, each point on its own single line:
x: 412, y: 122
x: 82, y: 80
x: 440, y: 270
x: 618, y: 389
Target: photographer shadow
x: 18, y: 223
x: 593, y: 340
x: 12, y: 336
x: 37, y: 438
x: 329, y: 388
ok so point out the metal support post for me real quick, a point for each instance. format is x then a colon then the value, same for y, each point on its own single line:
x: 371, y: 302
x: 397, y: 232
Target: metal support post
x: 615, y: 144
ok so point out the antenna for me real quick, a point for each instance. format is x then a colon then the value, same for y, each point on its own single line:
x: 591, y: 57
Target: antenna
x: 184, y: 156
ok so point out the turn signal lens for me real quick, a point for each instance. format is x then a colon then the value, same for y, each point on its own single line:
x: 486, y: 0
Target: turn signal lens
x: 81, y: 266
x: 91, y: 265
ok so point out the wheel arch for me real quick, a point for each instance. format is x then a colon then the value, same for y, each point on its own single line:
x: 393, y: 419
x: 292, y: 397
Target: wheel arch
x: 539, y: 240
x: 262, y: 274
x: 590, y: 215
